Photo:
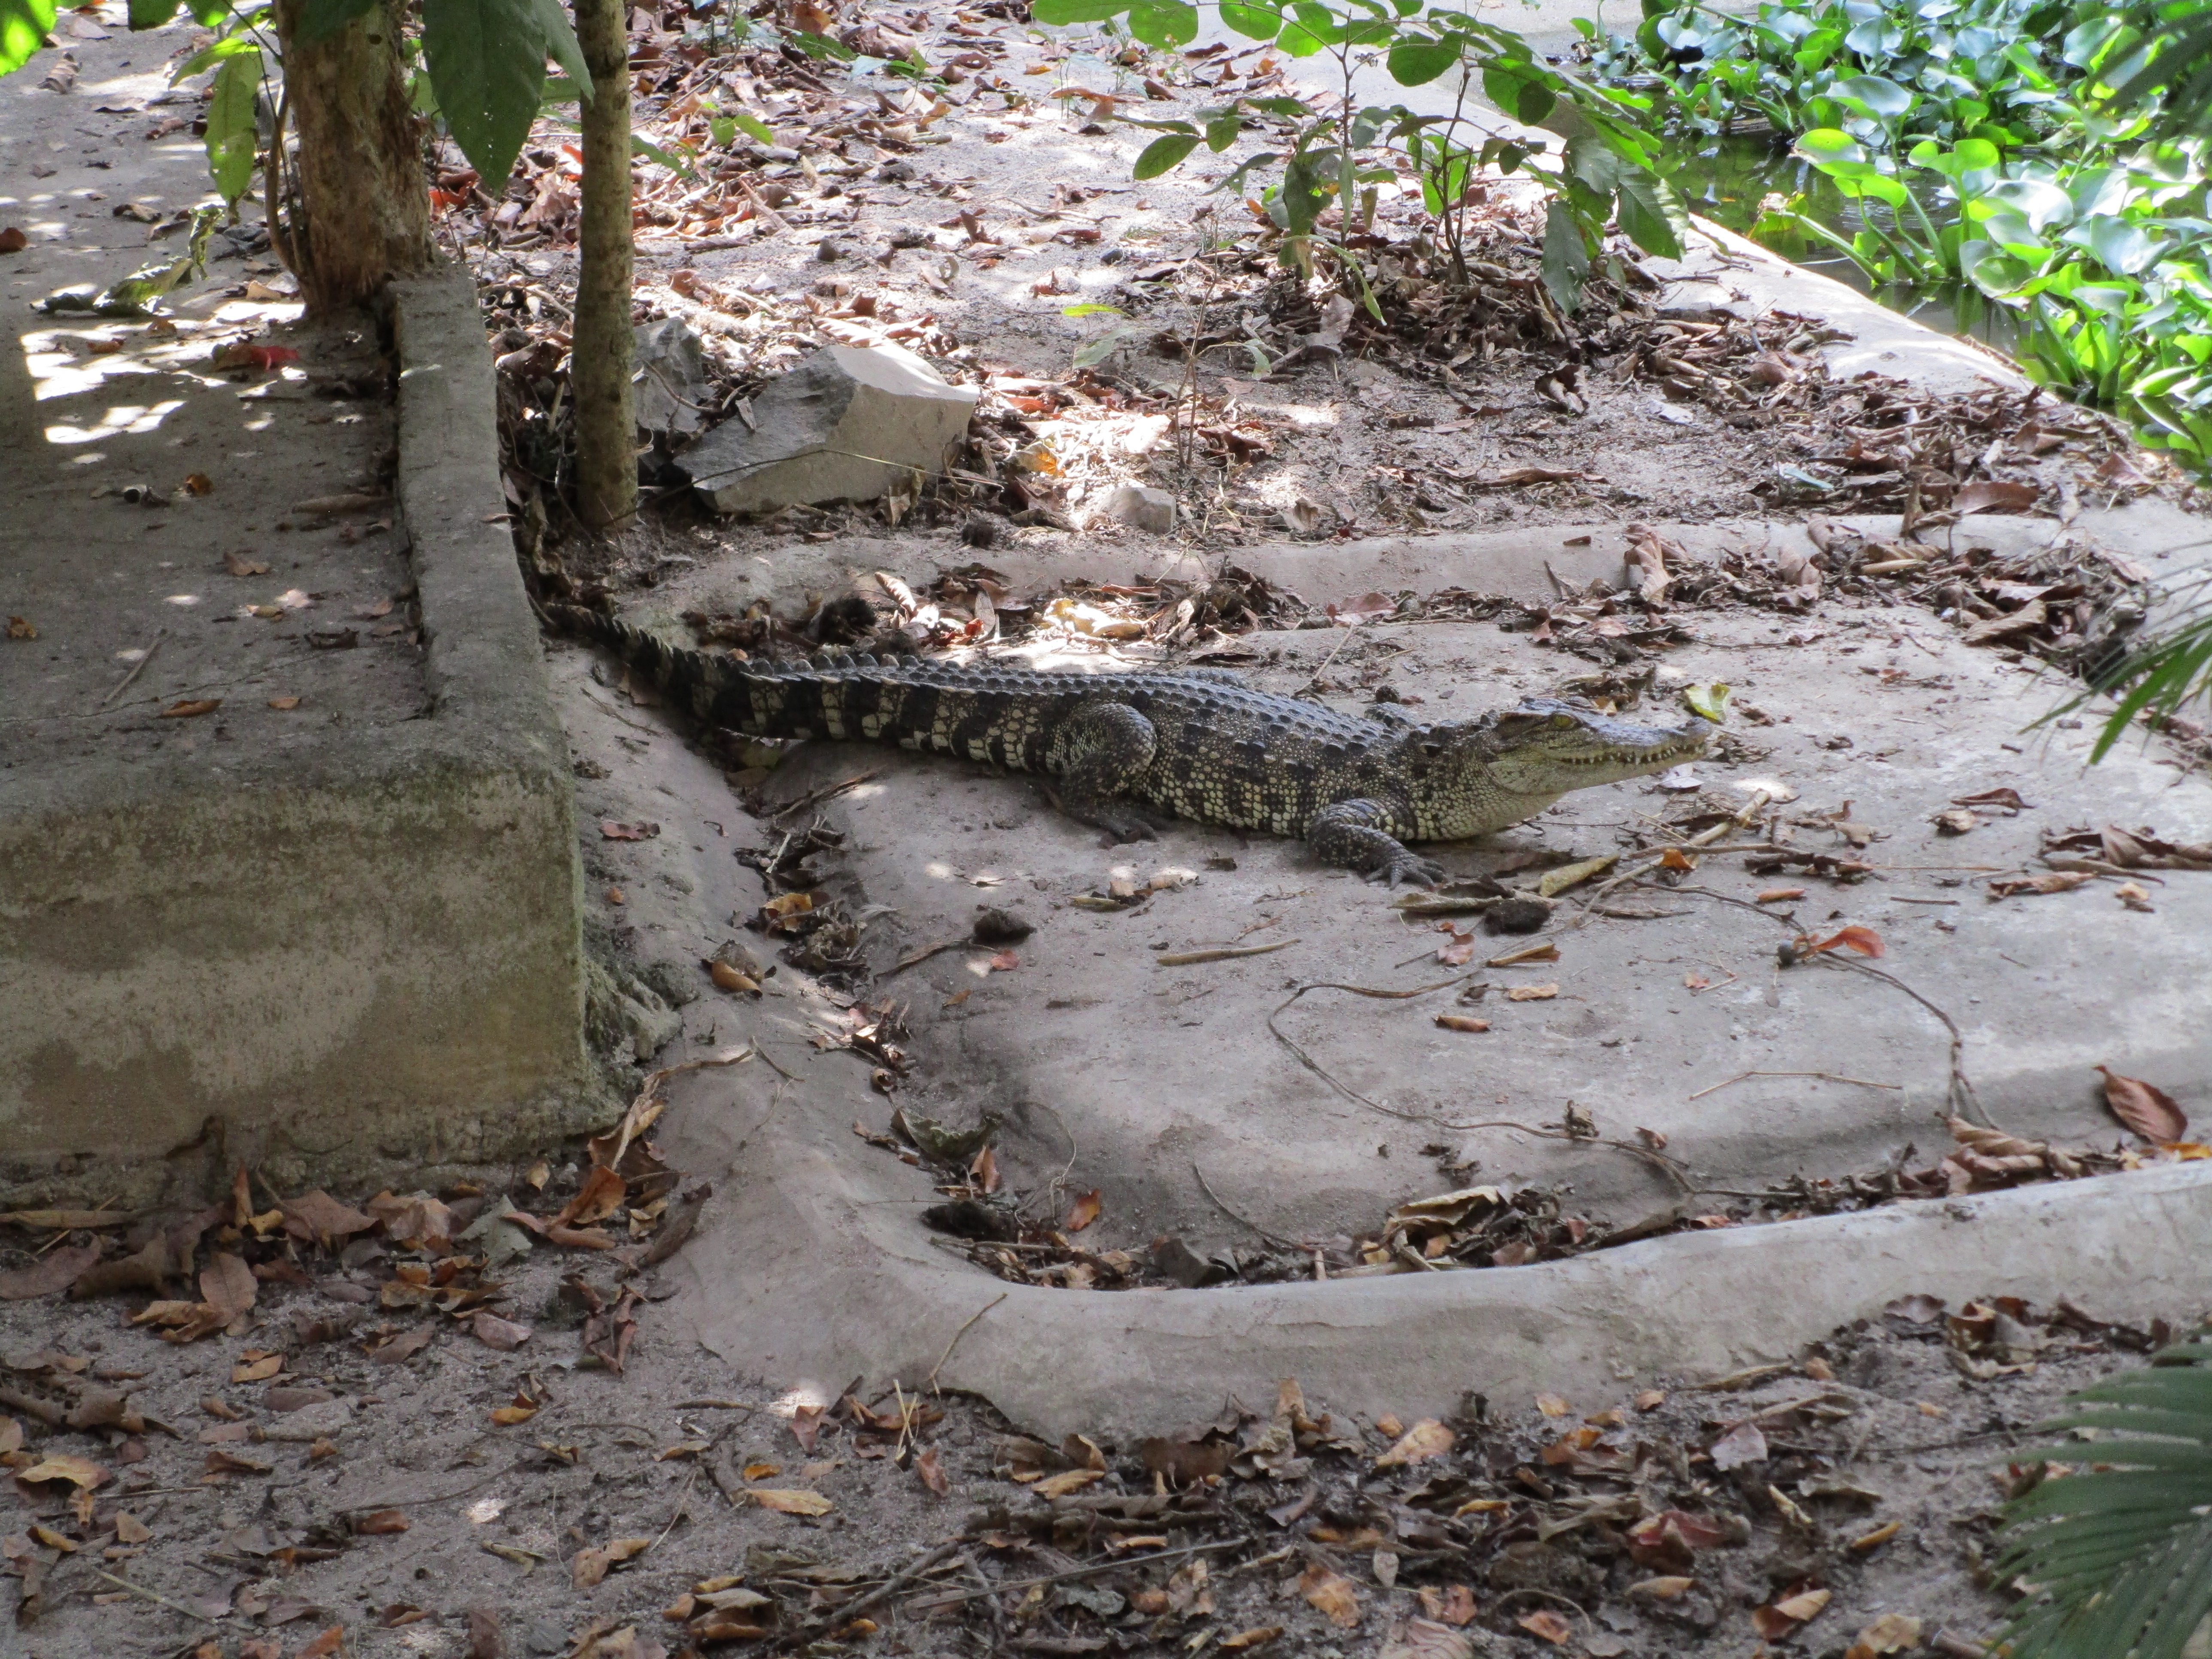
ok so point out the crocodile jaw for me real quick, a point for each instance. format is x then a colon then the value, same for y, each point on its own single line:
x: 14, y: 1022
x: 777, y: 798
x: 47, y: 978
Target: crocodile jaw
x: 1514, y: 765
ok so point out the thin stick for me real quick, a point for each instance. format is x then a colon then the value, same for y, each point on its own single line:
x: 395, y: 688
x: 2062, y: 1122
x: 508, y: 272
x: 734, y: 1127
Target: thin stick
x: 814, y: 796
x: 927, y: 952
x: 1864, y: 1083
x: 1963, y: 1100
x: 153, y: 1595
x: 677, y: 1514
x: 897, y: 1582
x: 1005, y: 1584
x: 1204, y: 1187
x: 136, y: 669
x: 1223, y: 953
x: 961, y: 1331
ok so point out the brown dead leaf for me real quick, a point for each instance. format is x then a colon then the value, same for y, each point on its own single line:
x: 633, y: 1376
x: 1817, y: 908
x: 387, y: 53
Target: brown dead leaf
x: 931, y: 1469
x: 2144, y: 1108
x: 60, y: 1466
x: 1995, y: 496
x: 55, y: 1271
x: 599, y: 1197
x: 592, y: 1566
x: 186, y: 708
x: 1862, y: 940
x: 1085, y: 1211
x: 1893, y: 1632
x: 1258, y: 1637
x: 257, y: 1368
x: 1547, y: 1624
x: 315, y: 1217
x: 1532, y: 992
x: 1547, y: 951
x: 521, y: 1409
x: 2046, y: 881
x: 1462, y: 1022
x: 1552, y: 1406
x: 378, y: 1521
x: 789, y: 1501
x: 323, y: 1645
x: 284, y: 705
x: 1067, y: 1483
x: 1784, y: 1616
x: 1332, y: 1595
x: 219, y: 1462
x: 22, y: 627
x: 1866, y: 1543
x: 1780, y: 894
x: 611, y: 830
x: 1426, y: 1439
x: 129, y: 1530
x: 398, y: 1350
x: 504, y: 1334
x: 1741, y: 1444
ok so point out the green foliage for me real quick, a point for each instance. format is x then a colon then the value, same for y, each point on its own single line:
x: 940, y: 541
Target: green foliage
x: 231, y: 129
x: 1607, y: 173
x: 23, y: 25
x: 487, y: 62
x: 2119, y: 1555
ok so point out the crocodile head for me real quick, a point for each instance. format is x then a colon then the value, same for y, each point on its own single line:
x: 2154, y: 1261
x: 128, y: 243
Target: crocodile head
x: 1513, y: 762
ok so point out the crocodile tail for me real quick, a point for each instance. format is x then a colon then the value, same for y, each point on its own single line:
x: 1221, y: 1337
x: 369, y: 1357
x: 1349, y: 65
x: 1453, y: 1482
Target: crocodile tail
x: 718, y: 689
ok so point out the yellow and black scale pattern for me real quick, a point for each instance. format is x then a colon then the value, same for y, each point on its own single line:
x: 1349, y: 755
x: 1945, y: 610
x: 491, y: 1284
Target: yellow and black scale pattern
x: 1199, y: 744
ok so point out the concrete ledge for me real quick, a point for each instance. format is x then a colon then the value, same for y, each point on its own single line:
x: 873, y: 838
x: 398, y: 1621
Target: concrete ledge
x: 327, y: 963
x: 809, y: 1269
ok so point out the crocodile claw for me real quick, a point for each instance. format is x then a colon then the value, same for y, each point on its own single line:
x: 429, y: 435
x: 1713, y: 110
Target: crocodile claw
x: 1410, y: 868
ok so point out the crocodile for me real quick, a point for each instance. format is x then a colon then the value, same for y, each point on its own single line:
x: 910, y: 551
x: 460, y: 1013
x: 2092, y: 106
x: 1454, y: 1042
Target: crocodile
x: 1199, y: 744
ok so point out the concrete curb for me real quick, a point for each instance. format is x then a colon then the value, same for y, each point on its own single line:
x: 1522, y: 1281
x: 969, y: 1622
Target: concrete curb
x: 811, y: 1268
x: 341, y: 966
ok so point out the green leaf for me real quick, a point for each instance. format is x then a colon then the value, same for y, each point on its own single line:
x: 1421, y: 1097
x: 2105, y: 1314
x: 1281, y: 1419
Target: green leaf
x: 200, y: 61
x: 487, y: 62
x: 1163, y: 153
x: 1652, y: 214
x: 321, y: 19
x: 1566, y: 256
x: 1164, y: 24
x: 147, y: 14
x: 2121, y: 247
x: 1521, y: 97
x: 561, y: 45
x: 674, y: 160
x: 753, y: 127
x: 1253, y: 22
x: 23, y: 25
x: 1882, y: 99
x: 1416, y: 63
x: 1710, y: 701
x: 230, y: 125
x: 1060, y: 12
x: 1093, y: 308
x: 1223, y: 130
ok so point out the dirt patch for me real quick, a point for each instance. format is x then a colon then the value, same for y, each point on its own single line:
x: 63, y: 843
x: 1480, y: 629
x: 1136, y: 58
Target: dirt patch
x: 348, y: 1456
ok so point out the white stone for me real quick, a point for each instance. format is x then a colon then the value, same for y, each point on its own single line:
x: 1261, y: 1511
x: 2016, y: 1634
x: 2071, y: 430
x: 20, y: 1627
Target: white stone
x: 1146, y: 507
x: 850, y: 423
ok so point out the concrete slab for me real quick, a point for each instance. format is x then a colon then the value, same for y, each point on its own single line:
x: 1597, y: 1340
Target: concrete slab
x: 331, y: 935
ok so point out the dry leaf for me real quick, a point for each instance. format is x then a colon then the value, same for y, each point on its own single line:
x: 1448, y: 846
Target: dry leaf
x: 590, y: 1565
x: 2144, y: 1108
x: 257, y: 1369
x: 187, y: 708
x: 1084, y: 1212
x: 1067, y: 1483
x: 1532, y: 992
x: 323, y: 1645
x: 59, y: 1465
x: 1547, y: 951
x: 1780, y: 894
x: 1552, y: 1406
x: 378, y: 1521
x: 1668, y: 1588
x: 2049, y: 881
x: 931, y: 1467
x: 521, y: 1411
x: 20, y: 628
x: 1332, y: 1595
x: 1893, y: 1632
x: 492, y: 1332
x: 1864, y: 940
x: 55, y: 1271
x: 239, y: 565
x: 1426, y: 1439
x: 1462, y: 1022
x: 1741, y: 1444
x: 283, y: 705
x: 1553, y: 882
x: 1874, y: 1540
x: 786, y: 1502
x: 1551, y: 1626
x: 1258, y: 1637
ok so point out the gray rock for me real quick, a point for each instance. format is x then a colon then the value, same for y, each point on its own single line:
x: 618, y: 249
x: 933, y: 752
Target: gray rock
x: 622, y: 1012
x: 1142, y: 507
x: 851, y: 424
x: 672, y: 394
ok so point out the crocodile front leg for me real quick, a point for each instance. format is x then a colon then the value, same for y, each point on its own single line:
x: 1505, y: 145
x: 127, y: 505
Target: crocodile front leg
x: 1101, y: 754
x: 1355, y: 834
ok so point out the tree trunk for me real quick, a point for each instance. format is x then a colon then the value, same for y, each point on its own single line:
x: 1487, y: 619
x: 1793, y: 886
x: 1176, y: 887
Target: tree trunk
x: 603, y: 352
x: 361, y: 207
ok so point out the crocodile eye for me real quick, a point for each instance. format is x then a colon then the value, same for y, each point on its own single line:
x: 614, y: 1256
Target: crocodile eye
x: 1564, y: 720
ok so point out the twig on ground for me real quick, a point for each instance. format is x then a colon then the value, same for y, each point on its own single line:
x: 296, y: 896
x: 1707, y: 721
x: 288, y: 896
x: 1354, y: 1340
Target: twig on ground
x: 961, y: 1331
x: 1833, y: 1077
x: 1204, y: 1187
x: 1222, y: 953
x: 890, y: 1586
x: 814, y: 797
x: 136, y: 669
x: 955, y: 1597
x: 153, y: 1595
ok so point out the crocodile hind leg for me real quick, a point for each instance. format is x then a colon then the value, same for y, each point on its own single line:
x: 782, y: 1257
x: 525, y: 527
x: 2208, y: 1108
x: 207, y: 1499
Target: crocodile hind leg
x: 1351, y: 835
x: 1100, y: 755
